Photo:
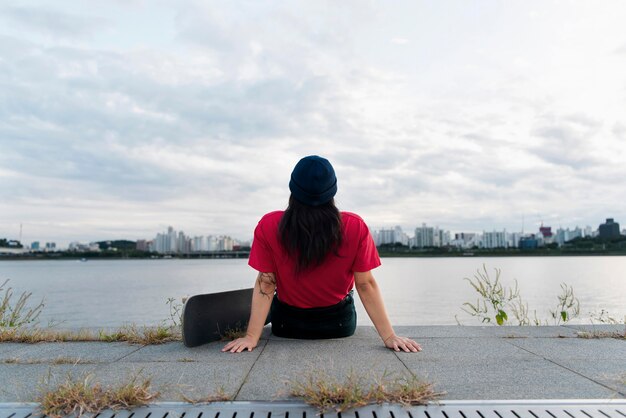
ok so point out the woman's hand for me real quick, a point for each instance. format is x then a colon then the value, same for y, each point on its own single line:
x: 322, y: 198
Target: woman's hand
x: 240, y: 344
x: 406, y: 344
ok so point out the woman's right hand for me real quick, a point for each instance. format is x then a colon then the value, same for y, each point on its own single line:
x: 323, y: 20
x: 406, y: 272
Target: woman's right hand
x: 240, y: 344
x: 397, y: 343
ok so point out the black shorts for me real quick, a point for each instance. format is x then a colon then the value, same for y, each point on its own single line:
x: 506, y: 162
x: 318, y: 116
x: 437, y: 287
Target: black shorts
x: 334, y: 321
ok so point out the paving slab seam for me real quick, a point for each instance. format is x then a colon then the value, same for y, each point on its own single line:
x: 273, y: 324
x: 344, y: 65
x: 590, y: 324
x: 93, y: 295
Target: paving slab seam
x: 404, y: 364
x: 571, y: 370
x: 128, y: 354
x: 245, y: 379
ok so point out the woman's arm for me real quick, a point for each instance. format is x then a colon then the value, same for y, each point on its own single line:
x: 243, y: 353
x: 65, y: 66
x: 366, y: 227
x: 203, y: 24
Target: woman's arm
x: 261, y: 302
x: 372, y: 300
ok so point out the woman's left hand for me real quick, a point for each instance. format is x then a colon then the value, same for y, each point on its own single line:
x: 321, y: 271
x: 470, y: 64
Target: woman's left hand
x: 240, y: 344
x: 402, y: 343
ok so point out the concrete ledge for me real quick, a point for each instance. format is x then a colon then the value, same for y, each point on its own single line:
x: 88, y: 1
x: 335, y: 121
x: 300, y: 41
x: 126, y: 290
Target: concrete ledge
x: 465, y: 362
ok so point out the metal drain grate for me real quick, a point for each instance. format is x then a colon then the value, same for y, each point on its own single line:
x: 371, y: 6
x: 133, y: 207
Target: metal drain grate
x: 612, y: 408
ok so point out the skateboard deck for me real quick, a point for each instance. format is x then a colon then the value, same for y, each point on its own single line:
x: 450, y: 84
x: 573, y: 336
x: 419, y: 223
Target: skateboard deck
x: 215, y: 316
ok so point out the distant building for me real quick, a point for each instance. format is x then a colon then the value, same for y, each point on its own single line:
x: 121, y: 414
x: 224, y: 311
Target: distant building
x: 528, y: 243
x: 609, y: 229
x: 514, y: 238
x: 142, y: 245
x: 80, y: 247
x: 495, y: 239
x: 565, y: 235
x: 51, y: 246
x: 545, y: 234
x: 225, y: 243
x: 34, y: 246
x: 199, y: 244
x: 390, y: 236
x: 426, y: 236
x: 465, y: 240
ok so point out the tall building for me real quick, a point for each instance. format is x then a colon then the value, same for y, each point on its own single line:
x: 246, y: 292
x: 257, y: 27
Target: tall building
x: 425, y: 237
x: 390, y: 236
x: 609, y: 229
x: 514, y: 238
x: 171, y: 242
x: 546, y: 233
x: 199, y: 244
x: 225, y: 243
x: 212, y: 243
x: 465, y: 240
x: 495, y: 239
x: 564, y: 235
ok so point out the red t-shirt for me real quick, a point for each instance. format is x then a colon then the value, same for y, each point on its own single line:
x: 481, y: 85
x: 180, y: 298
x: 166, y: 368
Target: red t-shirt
x: 320, y: 286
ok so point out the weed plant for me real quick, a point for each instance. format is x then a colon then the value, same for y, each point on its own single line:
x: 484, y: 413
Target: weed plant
x: 325, y: 392
x: 604, y: 318
x: 176, y: 311
x: 15, y: 315
x: 220, y: 395
x: 58, y: 360
x: 129, y: 333
x: 497, y: 301
x: 83, y: 396
x: 568, y: 305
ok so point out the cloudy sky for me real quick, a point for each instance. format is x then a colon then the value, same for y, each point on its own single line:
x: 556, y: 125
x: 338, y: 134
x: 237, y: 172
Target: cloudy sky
x: 118, y: 119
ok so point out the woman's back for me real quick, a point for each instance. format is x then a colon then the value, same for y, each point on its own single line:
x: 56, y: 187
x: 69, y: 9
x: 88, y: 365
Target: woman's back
x: 319, y: 285
x: 309, y: 258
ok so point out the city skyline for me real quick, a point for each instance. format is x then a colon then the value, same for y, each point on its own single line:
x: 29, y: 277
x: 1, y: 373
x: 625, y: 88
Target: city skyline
x: 171, y: 237
x: 195, y: 113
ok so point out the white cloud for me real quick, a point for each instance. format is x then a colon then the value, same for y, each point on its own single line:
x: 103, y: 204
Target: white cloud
x: 201, y: 128
x: 400, y: 41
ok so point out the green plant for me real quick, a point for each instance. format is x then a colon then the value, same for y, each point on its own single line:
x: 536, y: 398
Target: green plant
x: 494, y: 297
x: 17, y: 315
x: 568, y: 307
x: 498, y: 301
x: 176, y: 311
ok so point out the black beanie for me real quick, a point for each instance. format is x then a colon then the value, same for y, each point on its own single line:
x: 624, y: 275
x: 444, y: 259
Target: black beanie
x: 313, y: 181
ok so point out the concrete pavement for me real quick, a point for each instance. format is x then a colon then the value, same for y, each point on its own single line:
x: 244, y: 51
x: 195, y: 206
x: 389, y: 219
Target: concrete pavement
x: 466, y: 362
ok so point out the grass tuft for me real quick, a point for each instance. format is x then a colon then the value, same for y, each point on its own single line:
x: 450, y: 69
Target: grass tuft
x: 129, y: 333
x: 83, y: 396
x: 219, y: 396
x: 233, y: 334
x: 33, y: 335
x: 58, y: 360
x: 325, y: 393
x: 149, y: 335
x: 602, y: 334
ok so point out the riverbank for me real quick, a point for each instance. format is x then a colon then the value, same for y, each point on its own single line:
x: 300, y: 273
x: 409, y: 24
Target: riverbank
x: 382, y: 253
x: 465, y: 362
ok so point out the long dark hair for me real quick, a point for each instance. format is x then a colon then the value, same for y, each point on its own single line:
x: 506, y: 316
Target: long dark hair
x: 310, y: 233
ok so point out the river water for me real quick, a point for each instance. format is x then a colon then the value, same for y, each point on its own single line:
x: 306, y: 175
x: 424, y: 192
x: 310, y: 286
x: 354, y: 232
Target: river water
x: 417, y: 291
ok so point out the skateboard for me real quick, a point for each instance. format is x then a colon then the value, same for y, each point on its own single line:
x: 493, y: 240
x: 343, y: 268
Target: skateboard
x: 216, y: 316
